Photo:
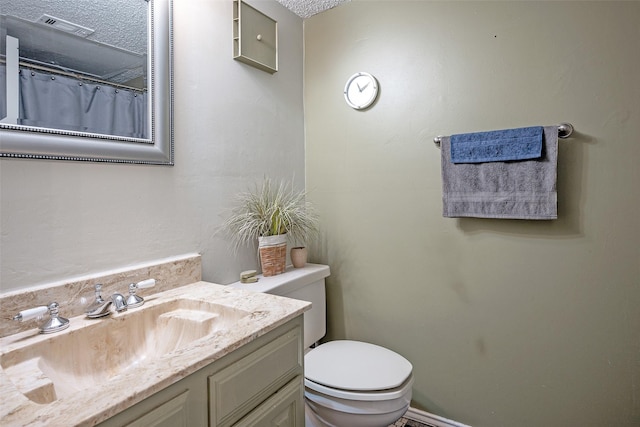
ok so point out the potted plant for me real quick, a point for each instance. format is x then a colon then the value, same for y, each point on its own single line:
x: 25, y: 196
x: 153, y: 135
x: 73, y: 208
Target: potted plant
x: 271, y: 214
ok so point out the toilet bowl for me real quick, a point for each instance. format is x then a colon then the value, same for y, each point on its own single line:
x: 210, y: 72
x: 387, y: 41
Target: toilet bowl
x: 356, y: 384
x: 347, y: 383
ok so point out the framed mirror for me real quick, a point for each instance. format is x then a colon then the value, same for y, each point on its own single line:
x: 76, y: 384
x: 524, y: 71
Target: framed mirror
x: 92, y: 82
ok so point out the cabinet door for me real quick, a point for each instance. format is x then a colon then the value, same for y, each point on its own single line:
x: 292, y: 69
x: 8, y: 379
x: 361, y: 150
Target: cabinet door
x: 170, y: 414
x: 283, y: 409
x: 237, y: 389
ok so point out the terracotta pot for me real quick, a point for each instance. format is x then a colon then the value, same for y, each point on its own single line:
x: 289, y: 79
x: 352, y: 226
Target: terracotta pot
x: 299, y: 256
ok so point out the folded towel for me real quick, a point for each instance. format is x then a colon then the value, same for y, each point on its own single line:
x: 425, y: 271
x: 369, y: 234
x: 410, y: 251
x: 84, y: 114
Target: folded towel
x: 522, y: 189
x: 497, y: 145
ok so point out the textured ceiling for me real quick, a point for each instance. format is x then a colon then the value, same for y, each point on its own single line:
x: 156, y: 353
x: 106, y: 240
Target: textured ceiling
x: 115, y: 51
x: 123, y: 26
x: 307, y: 8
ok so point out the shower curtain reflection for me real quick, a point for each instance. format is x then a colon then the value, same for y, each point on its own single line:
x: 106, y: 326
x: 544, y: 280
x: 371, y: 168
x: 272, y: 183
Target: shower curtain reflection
x: 60, y: 102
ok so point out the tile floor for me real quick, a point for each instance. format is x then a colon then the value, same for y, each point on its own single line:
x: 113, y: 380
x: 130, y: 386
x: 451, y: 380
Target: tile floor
x: 403, y: 422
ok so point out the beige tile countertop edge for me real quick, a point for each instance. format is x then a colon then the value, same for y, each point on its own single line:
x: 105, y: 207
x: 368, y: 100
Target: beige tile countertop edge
x: 89, y: 407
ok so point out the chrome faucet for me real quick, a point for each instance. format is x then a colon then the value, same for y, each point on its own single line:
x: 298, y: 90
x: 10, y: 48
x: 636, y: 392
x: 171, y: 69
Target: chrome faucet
x: 119, y: 302
x: 100, y: 307
x: 55, y: 323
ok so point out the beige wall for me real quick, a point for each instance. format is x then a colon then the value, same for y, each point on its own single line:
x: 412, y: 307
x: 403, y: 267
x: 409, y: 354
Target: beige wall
x: 508, y: 323
x: 233, y: 125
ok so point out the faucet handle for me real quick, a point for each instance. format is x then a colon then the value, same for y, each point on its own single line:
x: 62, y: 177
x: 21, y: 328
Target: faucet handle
x: 149, y: 283
x: 31, y: 313
x: 134, y: 300
x: 54, y: 324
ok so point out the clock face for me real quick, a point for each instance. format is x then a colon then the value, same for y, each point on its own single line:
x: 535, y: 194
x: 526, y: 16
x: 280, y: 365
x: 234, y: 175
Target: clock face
x: 361, y: 90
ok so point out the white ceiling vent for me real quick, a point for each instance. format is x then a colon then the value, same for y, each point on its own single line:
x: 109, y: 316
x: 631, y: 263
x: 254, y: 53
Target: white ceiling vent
x: 66, y: 26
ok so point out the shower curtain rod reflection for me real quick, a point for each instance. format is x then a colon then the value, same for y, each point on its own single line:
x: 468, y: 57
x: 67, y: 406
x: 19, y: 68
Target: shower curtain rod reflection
x: 564, y: 131
x: 75, y: 75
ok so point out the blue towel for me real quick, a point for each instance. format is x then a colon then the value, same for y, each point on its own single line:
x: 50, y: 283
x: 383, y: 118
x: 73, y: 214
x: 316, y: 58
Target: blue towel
x: 497, y: 146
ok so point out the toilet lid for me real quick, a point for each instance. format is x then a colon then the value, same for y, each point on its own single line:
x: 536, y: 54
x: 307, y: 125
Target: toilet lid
x: 357, y: 366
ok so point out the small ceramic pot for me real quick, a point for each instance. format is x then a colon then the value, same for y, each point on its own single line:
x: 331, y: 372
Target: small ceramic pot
x: 299, y: 256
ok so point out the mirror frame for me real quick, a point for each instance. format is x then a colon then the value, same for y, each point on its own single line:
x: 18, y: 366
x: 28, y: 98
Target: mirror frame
x: 28, y: 142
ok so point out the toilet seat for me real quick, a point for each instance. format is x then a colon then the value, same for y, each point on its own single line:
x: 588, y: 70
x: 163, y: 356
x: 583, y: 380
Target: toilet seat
x: 364, y: 396
x: 357, y: 370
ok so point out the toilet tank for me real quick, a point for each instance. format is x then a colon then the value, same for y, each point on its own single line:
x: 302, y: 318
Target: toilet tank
x: 307, y: 284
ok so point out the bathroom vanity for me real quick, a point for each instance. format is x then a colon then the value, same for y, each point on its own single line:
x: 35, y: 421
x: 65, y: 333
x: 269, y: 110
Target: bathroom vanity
x: 260, y: 383
x: 198, y: 355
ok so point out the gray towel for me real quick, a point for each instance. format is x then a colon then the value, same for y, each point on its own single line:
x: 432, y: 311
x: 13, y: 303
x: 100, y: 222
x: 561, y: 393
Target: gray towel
x: 524, y: 189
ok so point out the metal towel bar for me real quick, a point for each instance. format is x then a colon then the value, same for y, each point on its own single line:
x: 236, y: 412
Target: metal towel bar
x: 564, y: 131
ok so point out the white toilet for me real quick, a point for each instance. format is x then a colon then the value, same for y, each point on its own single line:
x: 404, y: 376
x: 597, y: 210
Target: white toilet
x: 347, y: 383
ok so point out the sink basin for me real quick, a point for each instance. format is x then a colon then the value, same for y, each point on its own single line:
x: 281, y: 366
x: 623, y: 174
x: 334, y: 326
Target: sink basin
x: 86, y: 357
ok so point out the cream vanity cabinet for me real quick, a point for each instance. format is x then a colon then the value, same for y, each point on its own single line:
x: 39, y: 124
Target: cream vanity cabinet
x: 258, y: 384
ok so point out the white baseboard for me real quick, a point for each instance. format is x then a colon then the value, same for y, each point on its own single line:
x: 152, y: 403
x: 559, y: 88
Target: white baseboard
x: 431, y: 419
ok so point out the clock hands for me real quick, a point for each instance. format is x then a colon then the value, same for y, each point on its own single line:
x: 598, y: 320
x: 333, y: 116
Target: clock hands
x: 363, y: 87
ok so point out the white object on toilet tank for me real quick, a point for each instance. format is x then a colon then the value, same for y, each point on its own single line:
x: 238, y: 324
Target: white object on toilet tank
x: 306, y: 284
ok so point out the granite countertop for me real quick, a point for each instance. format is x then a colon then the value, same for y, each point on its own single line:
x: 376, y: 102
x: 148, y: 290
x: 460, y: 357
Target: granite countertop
x: 95, y: 404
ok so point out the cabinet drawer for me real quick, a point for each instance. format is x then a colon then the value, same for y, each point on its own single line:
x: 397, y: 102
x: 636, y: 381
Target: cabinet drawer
x: 240, y: 387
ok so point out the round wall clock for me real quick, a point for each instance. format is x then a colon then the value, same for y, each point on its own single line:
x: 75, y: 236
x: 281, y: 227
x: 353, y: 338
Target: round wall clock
x: 361, y: 90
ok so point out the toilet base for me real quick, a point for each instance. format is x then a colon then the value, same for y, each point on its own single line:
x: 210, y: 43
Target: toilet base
x: 310, y: 419
x: 317, y: 415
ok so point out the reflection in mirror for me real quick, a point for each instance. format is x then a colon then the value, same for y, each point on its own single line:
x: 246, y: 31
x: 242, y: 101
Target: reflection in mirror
x: 86, y: 80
